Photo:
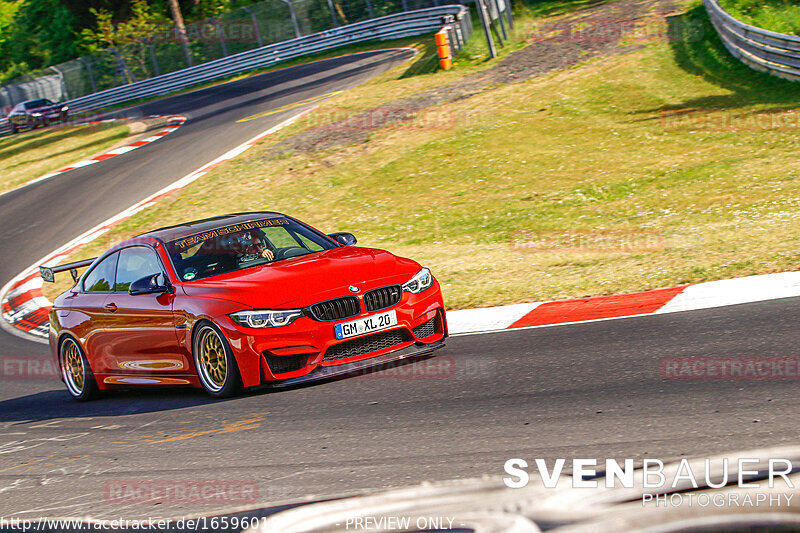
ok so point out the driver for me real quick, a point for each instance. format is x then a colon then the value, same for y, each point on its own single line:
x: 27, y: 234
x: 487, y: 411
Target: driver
x: 254, y: 244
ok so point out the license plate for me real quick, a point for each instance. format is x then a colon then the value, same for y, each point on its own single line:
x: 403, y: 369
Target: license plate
x: 366, y: 325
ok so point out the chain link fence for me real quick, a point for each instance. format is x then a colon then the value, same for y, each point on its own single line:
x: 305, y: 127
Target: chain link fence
x: 240, y: 30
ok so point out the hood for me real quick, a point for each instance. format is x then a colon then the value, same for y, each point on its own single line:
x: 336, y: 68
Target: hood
x: 306, y: 280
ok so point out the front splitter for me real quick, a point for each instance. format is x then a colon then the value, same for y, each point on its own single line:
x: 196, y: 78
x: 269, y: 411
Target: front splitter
x: 327, y: 372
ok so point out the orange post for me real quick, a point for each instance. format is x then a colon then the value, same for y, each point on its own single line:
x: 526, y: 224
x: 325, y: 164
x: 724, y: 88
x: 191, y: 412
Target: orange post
x: 443, y: 49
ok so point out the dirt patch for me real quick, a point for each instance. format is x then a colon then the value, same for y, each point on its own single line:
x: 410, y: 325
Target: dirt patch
x: 600, y: 30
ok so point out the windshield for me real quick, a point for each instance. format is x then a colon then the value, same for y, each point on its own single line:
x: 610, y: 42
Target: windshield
x: 33, y: 104
x: 237, y: 246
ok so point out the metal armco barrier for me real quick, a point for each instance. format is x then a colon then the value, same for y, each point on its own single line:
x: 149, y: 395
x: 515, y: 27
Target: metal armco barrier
x: 396, y: 26
x: 764, y: 50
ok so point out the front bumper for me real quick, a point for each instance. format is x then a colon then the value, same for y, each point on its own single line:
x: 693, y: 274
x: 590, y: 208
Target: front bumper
x: 308, y: 349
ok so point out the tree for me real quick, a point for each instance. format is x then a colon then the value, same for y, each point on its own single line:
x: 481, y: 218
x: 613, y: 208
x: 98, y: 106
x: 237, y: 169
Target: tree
x: 41, y: 34
x: 128, y: 40
x: 177, y: 16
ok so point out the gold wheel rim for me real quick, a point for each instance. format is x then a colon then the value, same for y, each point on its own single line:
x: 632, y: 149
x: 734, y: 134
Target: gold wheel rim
x: 212, y: 359
x: 73, y: 364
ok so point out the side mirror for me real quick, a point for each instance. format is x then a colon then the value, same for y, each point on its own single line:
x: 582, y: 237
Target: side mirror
x: 348, y: 239
x: 154, y: 284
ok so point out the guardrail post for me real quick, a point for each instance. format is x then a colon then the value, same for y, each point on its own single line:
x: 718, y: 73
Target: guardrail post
x: 333, y: 14
x: 122, y: 66
x: 486, y: 31
x: 154, y: 58
x: 370, y: 9
x: 255, y: 25
x: 221, y: 38
x: 500, y: 18
x: 292, y: 14
x: 89, y: 70
x: 405, y: 5
x: 64, y: 90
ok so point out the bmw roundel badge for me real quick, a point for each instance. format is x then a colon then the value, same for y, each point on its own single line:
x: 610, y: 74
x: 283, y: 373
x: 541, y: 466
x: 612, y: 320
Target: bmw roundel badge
x: 353, y: 288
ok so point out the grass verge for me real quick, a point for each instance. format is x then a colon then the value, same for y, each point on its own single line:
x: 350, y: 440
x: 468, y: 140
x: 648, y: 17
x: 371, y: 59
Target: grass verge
x: 668, y: 165
x: 782, y: 16
x: 30, y: 154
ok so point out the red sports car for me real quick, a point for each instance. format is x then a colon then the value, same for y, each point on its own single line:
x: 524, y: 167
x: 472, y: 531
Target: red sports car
x: 238, y: 301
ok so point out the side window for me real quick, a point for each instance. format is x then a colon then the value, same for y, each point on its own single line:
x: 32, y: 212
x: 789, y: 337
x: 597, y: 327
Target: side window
x: 101, y: 277
x: 134, y: 264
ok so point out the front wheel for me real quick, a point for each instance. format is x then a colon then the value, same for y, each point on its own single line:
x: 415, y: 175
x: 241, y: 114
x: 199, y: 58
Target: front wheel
x: 213, y: 358
x: 76, y: 372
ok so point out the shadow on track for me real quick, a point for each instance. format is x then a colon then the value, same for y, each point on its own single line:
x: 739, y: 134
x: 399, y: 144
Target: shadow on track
x: 57, y: 404
x: 54, y: 404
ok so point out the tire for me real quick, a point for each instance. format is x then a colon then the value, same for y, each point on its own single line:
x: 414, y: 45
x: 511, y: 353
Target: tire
x: 75, y: 371
x: 214, y: 361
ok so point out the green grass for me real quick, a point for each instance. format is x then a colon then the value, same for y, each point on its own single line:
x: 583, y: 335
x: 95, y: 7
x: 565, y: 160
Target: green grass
x: 782, y: 16
x: 672, y: 164
x: 30, y: 154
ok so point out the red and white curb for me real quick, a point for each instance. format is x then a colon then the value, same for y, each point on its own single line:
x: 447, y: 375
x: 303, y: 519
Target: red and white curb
x: 684, y: 298
x: 173, y: 123
x: 25, y: 309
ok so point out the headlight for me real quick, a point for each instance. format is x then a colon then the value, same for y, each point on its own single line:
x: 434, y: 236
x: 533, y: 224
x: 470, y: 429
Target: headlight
x: 36, y: 114
x: 265, y: 318
x: 421, y: 281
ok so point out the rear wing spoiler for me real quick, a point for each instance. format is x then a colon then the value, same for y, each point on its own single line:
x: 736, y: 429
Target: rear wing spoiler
x: 49, y: 273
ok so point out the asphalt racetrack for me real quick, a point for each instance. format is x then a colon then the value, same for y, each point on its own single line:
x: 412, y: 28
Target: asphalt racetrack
x: 587, y: 390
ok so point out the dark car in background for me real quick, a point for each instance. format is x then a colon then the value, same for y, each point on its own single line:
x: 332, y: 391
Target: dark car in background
x: 34, y: 113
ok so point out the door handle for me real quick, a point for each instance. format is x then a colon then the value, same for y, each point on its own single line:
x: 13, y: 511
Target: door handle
x: 111, y: 307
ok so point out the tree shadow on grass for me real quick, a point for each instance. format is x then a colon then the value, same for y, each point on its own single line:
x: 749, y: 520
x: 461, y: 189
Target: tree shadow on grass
x: 40, y: 139
x: 698, y: 50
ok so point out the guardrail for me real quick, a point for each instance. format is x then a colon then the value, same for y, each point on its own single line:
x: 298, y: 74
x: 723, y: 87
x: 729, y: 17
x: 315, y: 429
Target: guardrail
x: 455, y: 18
x: 764, y: 50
